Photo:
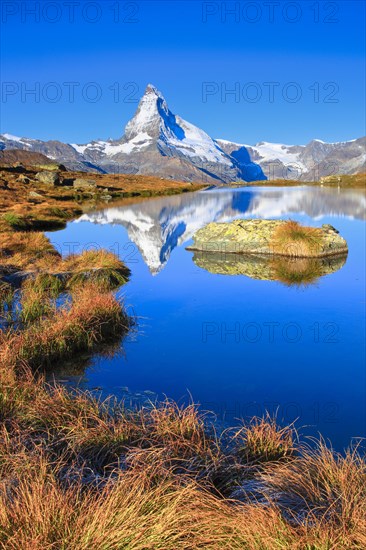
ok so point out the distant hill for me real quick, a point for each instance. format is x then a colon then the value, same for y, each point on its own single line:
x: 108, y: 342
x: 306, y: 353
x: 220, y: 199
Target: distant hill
x: 12, y: 156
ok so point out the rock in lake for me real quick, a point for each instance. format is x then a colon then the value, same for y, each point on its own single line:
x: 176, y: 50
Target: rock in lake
x: 271, y: 237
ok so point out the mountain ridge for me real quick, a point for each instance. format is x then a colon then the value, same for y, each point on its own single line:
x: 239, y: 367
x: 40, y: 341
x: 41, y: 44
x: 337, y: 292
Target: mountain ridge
x: 157, y: 142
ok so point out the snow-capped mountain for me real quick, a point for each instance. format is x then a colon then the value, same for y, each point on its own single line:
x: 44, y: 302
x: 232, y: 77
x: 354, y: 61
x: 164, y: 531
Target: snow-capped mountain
x: 302, y: 162
x: 158, y: 142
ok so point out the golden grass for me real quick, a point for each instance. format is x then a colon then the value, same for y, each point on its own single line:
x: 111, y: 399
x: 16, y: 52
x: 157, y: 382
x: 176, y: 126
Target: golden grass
x: 50, y: 274
x: 98, y: 266
x: 325, y: 492
x: 6, y: 296
x: 37, y: 297
x: 67, y: 481
x: 263, y: 440
x: 129, y: 513
x: 26, y: 251
x: 91, y: 259
x: 292, y: 239
x: 92, y: 317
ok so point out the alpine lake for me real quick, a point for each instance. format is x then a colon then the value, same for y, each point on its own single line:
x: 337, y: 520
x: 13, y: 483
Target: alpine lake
x: 239, y: 336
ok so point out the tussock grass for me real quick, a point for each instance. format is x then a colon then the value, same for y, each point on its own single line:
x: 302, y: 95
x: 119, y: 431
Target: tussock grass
x: 92, y: 317
x: 33, y: 253
x: 325, y: 493
x: 14, y: 221
x: 129, y: 513
x: 67, y: 480
x: 92, y: 259
x: 322, y: 482
x: 293, y: 239
x: 98, y: 266
x: 60, y: 213
x: 6, y: 296
x: 33, y: 250
x: 262, y: 440
x: 27, y: 251
x: 37, y: 297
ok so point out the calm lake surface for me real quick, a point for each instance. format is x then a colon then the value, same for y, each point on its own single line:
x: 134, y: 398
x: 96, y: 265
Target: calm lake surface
x: 238, y: 345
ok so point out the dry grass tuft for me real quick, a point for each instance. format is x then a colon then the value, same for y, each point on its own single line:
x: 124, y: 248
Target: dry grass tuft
x: 6, y: 296
x: 33, y: 252
x: 92, y: 317
x: 37, y: 297
x: 262, y: 440
x: 91, y: 259
x: 321, y: 482
x: 98, y: 266
x: 293, y: 239
x: 27, y: 251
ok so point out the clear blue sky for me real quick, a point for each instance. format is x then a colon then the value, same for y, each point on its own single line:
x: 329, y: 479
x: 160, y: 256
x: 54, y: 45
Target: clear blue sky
x: 280, y: 49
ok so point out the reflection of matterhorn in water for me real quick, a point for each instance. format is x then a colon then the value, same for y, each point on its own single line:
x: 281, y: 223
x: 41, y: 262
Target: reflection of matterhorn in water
x: 157, y: 226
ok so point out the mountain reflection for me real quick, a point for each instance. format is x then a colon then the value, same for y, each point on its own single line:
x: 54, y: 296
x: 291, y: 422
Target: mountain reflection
x: 158, y: 226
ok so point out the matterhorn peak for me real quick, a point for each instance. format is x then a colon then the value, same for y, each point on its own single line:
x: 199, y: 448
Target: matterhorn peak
x: 151, y: 110
x: 151, y: 89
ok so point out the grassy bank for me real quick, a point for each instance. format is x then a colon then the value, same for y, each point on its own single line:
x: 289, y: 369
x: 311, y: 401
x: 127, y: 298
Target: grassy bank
x: 84, y: 474
x: 54, y: 307
x: 93, y: 316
